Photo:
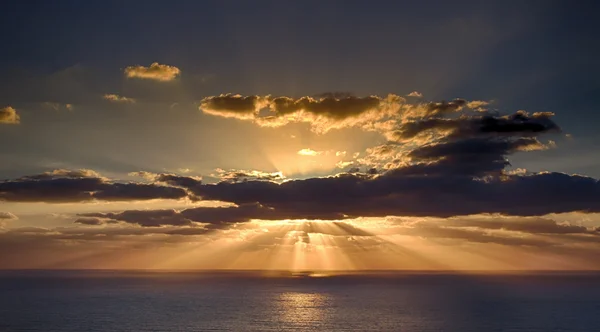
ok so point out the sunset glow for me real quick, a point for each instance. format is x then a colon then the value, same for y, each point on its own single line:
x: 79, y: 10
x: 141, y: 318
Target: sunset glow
x: 342, y: 149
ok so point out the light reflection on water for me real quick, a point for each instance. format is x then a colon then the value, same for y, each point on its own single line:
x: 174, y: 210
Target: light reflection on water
x: 302, y: 309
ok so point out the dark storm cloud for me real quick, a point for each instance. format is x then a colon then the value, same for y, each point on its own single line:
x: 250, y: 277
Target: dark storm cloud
x: 80, y: 186
x: 466, y: 145
x: 395, y: 193
x: 517, y: 124
x: 473, y: 156
x: 473, y: 148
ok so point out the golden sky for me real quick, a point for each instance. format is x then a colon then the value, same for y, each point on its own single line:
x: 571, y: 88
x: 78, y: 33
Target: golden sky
x: 411, y: 137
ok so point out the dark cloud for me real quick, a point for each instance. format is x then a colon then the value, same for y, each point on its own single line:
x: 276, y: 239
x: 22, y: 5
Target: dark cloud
x: 215, y: 217
x: 330, y: 106
x: 322, y: 112
x: 91, y: 221
x: 398, y: 193
x: 145, y: 218
x: 63, y: 173
x: 170, y: 179
x: 243, y: 175
x: 473, y: 148
x: 519, y: 124
x: 475, y: 156
x: 80, y: 186
x: 230, y: 104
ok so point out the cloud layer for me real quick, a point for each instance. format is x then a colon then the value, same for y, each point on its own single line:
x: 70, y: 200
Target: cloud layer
x: 61, y: 186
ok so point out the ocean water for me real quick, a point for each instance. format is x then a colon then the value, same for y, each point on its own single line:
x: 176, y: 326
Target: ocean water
x: 81, y: 301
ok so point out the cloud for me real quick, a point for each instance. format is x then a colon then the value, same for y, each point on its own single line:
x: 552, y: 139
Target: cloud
x: 212, y: 217
x: 340, y: 153
x: 415, y: 94
x: 144, y: 218
x: 8, y: 115
x: 445, y: 160
x: 118, y: 99
x: 478, y: 140
x: 7, y: 216
x: 309, y: 152
x: 442, y: 108
x: 327, y: 106
x: 232, y: 106
x: 425, y: 189
x: 64, y: 173
x: 477, y: 104
x: 417, y: 191
x: 187, y: 182
x: 324, y: 112
x: 243, y: 175
x: 344, y: 164
x: 518, y: 124
x: 61, y: 186
x: 331, y: 110
x: 92, y: 221
x: 156, y: 71
x: 474, y: 156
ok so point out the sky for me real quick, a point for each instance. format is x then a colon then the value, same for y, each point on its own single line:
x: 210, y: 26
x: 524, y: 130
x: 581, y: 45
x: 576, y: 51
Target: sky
x: 299, y: 135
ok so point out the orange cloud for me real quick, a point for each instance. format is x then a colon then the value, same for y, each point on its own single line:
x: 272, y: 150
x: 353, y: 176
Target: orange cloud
x: 8, y: 115
x: 118, y: 99
x: 156, y: 71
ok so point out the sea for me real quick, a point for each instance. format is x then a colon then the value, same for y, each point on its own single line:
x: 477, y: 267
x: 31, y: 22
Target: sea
x: 82, y: 301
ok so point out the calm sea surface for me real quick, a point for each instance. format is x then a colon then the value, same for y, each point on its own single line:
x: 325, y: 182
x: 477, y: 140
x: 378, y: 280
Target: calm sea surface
x: 81, y: 301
